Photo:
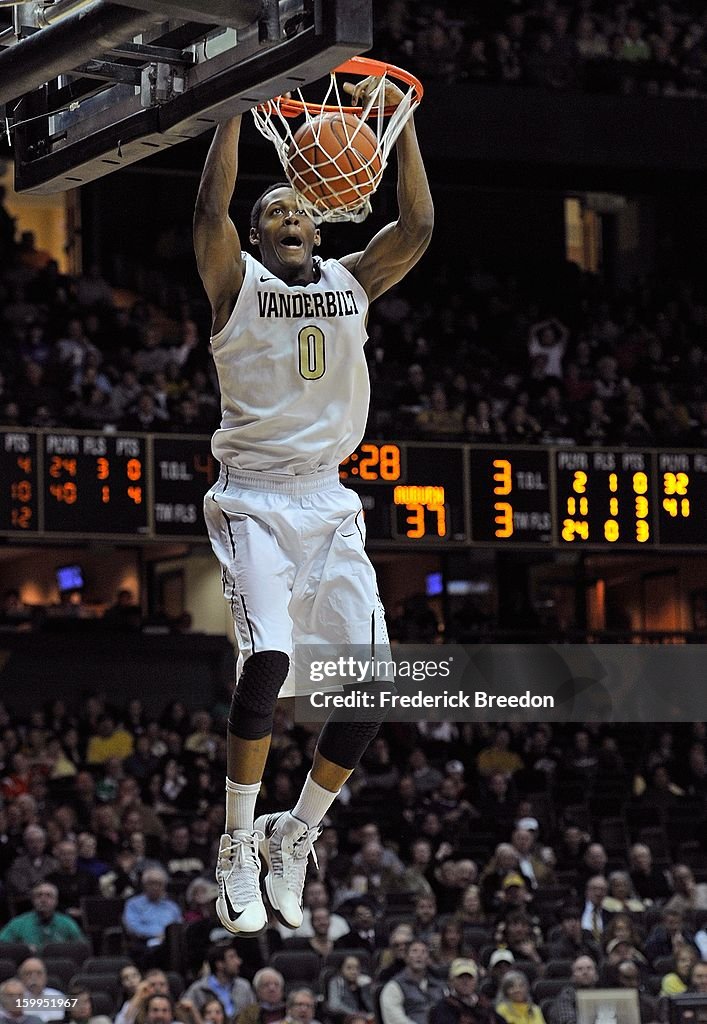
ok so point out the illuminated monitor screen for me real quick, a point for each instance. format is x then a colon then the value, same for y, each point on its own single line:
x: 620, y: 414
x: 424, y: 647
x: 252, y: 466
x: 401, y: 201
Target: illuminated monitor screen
x: 69, y: 577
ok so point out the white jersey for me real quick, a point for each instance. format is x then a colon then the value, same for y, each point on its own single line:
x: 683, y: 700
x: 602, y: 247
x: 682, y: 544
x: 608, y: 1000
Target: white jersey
x: 294, y: 380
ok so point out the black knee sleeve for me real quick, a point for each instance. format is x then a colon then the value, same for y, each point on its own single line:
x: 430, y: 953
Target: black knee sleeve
x: 343, y: 743
x: 256, y: 694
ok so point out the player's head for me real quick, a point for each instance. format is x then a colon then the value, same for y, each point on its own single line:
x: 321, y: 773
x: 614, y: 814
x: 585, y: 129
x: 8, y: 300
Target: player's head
x: 258, y: 204
x: 283, y: 231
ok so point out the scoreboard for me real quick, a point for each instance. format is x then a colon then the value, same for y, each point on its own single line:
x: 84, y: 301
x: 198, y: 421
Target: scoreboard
x: 409, y: 492
x: 77, y: 484
x: 93, y: 481
x: 589, y: 498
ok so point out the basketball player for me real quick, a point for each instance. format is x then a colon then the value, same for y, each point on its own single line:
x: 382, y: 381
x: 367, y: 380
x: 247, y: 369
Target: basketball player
x: 287, y: 338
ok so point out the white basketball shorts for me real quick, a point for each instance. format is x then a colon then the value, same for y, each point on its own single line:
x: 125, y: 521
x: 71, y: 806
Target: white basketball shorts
x: 294, y: 567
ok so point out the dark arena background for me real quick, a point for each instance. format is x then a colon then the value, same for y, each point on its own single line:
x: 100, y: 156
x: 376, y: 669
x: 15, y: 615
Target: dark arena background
x: 534, y: 472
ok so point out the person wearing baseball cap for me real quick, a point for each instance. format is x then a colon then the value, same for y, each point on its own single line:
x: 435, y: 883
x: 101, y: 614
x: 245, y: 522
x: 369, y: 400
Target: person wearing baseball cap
x: 515, y: 894
x: 500, y: 962
x: 462, y: 1004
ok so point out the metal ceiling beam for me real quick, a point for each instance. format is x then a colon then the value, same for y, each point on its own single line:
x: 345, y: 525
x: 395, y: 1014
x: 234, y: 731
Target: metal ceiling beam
x: 145, y: 52
x: 110, y: 71
x: 234, y: 13
x: 55, y: 50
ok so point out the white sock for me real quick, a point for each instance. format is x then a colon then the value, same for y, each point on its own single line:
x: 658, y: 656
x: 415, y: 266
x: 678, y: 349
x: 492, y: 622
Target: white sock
x: 240, y: 805
x: 313, y: 803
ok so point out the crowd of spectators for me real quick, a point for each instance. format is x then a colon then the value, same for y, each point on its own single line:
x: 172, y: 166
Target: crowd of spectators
x: 73, y: 357
x: 654, y: 49
x: 608, y: 368
x: 480, y: 358
x: 514, y: 865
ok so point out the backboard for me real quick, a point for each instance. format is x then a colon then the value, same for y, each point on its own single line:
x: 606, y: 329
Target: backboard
x: 90, y: 86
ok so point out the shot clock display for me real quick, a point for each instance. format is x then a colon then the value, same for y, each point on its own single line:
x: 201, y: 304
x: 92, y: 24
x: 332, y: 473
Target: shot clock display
x: 82, y: 484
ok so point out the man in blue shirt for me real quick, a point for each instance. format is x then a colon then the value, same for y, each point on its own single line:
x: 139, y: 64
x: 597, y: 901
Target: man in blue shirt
x: 147, y: 915
x: 223, y: 981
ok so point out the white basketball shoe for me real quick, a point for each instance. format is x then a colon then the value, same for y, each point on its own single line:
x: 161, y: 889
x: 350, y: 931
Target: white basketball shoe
x: 239, y: 905
x: 287, y: 843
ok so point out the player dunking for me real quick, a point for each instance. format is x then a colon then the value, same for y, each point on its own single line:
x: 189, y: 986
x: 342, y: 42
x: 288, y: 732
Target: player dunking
x: 287, y: 338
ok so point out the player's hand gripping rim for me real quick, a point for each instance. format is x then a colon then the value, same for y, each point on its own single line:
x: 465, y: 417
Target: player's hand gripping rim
x: 361, y: 92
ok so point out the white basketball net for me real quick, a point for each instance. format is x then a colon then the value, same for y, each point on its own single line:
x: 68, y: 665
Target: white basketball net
x: 273, y: 124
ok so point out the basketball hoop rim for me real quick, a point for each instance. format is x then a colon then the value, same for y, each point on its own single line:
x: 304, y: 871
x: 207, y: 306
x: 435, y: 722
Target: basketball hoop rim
x: 290, y: 107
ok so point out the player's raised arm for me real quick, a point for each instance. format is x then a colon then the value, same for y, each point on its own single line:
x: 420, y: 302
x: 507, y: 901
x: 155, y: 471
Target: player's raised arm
x: 398, y: 246
x: 216, y: 241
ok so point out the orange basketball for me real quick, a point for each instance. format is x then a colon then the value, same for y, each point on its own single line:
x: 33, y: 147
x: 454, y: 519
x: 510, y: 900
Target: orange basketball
x: 334, y: 161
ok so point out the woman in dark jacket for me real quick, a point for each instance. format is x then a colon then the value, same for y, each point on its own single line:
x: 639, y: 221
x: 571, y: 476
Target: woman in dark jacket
x: 349, y: 991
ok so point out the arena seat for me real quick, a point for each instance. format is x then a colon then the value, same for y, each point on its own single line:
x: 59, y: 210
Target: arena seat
x: 102, y: 1004
x: 75, y: 951
x: 60, y: 967
x: 103, y: 923
x: 175, y: 945
x: 547, y: 987
x: 296, y: 965
x: 105, y: 964
x: 107, y: 983
x: 560, y: 968
x: 8, y: 968
x: 529, y: 968
x: 17, y: 951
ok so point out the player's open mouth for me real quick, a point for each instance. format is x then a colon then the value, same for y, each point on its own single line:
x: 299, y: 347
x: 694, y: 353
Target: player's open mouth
x: 291, y: 242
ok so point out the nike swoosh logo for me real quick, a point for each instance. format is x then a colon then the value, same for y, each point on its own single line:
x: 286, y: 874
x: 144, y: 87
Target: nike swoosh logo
x: 268, y: 279
x: 232, y: 912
